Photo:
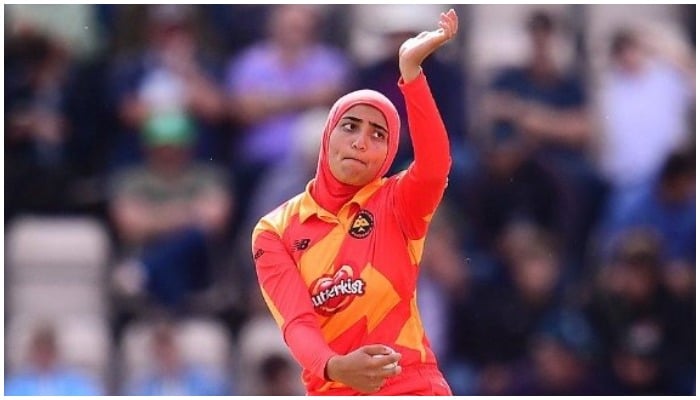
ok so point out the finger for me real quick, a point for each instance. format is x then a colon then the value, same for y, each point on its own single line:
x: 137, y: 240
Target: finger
x: 449, y: 17
x: 389, y: 372
x: 453, y: 31
x: 377, y: 349
x: 452, y: 23
x: 386, y: 361
x: 395, y: 357
x: 444, y: 20
x: 453, y: 20
x: 447, y: 25
x: 449, y: 29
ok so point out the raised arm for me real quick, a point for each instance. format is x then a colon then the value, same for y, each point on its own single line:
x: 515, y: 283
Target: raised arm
x: 419, y: 191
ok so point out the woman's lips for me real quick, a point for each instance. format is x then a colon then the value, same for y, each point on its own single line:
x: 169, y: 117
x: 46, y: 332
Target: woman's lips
x: 355, y: 160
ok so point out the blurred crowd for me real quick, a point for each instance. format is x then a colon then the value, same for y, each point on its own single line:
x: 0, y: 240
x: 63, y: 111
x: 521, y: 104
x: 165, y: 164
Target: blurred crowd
x: 561, y: 261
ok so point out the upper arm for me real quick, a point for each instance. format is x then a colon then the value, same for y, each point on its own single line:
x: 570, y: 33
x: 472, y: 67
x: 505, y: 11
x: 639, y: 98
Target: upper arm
x: 419, y: 190
x: 415, y: 201
x: 283, y: 289
x: 288, y: 299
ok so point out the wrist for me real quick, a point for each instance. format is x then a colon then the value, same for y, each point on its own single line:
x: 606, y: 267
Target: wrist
x: 331, y: 365
x: 409, y: 73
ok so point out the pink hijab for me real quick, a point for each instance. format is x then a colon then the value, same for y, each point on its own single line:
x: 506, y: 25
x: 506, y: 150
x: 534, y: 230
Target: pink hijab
x: 329, y: 192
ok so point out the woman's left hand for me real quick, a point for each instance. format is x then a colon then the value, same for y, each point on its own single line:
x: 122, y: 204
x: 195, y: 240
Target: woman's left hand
x: 414, y: 50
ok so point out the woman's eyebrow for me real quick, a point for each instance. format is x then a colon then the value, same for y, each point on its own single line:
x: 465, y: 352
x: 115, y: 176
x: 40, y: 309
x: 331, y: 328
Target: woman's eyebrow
x: 355, y: 119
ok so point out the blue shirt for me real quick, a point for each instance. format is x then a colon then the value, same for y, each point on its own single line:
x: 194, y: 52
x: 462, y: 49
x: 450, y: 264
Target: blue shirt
x: 258, y: 70
x: 674, y: 222
x: 53, y: 383
x: 190, y: 382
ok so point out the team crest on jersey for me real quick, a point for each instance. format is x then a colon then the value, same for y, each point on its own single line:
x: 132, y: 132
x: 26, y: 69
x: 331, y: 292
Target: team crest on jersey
x: 333, y: 293
x: 362, y: 225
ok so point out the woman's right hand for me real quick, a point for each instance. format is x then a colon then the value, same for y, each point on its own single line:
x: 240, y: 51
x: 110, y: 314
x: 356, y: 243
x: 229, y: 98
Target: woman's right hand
x: 414, y: 50
x: 365, y: 369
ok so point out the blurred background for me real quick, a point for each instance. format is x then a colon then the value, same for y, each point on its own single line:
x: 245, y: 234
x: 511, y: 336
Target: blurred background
x: 142, y: 143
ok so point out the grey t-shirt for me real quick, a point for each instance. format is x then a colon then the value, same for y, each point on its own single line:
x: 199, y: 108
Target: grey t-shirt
x: 143, y: 183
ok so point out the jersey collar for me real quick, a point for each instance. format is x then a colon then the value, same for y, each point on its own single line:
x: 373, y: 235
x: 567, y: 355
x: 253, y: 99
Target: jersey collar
x: 310, y: 207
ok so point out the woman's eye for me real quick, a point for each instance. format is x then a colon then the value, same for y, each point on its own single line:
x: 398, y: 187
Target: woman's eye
x: 348, y: 126
x: 379, y: 134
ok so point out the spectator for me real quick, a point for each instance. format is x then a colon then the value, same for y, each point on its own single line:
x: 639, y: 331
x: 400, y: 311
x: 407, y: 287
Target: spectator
x: 548, y: 107
x: 666, y: 209
x: 513, y: 186
x: 279, y: 376
x: 172, y: 375
x: 273, y: 82
x: 290, y: 176
x: 640, y: 131
x: 445, y: 276
x: 167, y: 213
x: 45, y: 374
x: 281, y: 182
x: 636, y: 362
x: 42, y: 129
x: 171, y: 74
x: 666, y: 205
x: 261, y: 345
x: 629, y: 289
x: 490, y: 326
x: 237, y: 26
x: 561, y: 359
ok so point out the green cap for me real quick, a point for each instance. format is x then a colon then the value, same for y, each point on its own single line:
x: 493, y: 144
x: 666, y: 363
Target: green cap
x: 174, y: 129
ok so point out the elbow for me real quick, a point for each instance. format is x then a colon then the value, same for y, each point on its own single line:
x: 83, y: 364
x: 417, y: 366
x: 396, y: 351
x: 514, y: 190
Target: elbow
x: 443, y: 166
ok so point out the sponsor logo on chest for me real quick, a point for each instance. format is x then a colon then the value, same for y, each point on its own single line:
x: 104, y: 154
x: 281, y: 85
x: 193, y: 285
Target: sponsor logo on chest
x: 333, y: 293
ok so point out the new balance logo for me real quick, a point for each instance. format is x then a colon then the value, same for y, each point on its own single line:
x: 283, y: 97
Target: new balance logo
x: 258, y: 254
x: 301, y: 244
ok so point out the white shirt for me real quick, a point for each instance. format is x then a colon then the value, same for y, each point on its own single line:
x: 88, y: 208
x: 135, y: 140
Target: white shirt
x: 644, y: 119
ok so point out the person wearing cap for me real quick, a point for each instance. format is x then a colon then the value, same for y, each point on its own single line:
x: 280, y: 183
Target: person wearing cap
x: 165, y: 212
x: 172, y: 73
x: 338, y: 264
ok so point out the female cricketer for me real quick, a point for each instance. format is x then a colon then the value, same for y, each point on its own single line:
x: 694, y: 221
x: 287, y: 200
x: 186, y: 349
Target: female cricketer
x: 338, y: 264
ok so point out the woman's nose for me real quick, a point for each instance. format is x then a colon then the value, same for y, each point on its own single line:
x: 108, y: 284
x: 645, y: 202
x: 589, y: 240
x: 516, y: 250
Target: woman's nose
x: 359, y: 142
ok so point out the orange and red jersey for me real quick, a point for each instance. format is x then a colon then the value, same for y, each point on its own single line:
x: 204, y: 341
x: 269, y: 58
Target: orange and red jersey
x: 336, y: 282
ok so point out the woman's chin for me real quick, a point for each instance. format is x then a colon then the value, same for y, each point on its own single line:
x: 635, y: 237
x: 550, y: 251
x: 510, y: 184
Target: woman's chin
x: 350, y: 176
x: 354, y: 180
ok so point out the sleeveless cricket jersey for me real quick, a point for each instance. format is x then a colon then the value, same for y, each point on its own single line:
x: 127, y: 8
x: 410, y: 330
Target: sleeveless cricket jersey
x: 337, y: 281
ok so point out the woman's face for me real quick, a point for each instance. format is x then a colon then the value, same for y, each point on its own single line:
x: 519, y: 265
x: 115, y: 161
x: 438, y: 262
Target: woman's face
x: 358, y: 145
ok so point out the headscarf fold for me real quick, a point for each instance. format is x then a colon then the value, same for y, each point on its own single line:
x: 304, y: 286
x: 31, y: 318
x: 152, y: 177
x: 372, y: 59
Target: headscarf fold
x: 328, y: 191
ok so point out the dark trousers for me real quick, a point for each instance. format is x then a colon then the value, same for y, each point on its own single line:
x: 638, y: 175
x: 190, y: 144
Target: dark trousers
x: 176, y: 265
